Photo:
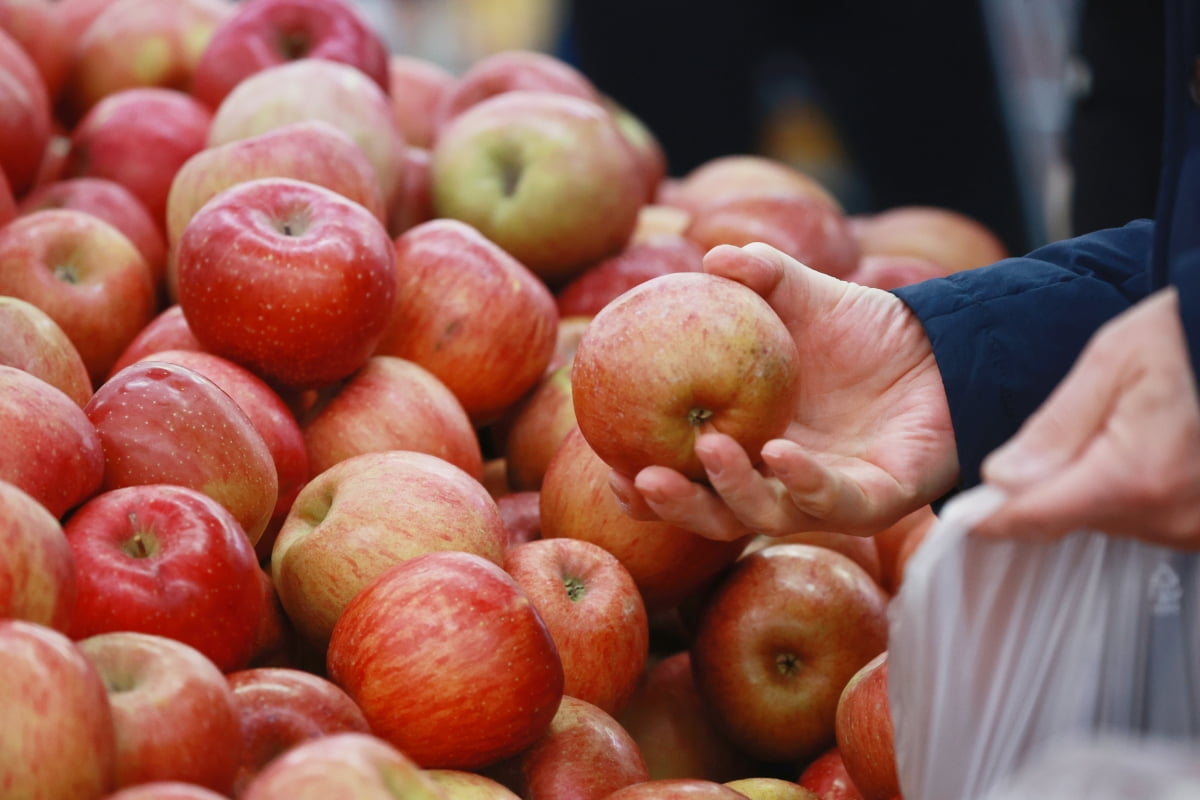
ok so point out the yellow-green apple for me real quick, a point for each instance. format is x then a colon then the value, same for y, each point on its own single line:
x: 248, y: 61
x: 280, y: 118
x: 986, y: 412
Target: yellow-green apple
x: 37, y: 418
x: 708, y: 353
x: 737, y: 174
x: 416, y: 88
x: 944, y: 236
x: 57, y: 739
x: 461, y: 784
x: 767, y: 788
x: 667, y: 718
x: 168, y: 330
x: 826, y: 776
x: 41, y: 31
x: 287, y: 278
x: 638, y: 262
x: 173, y: 711
x: 281, y: 707
x: 864, y: 732
x: 594, y: 612
x: 25, y: 127
x: 170, y: 561
x: 32, y: 341
x: 165, y: 790
x: 646, y: 147
x: 390, y: 404
x: 85, y: 274
x: 265, y: 33
x: 676, y: 789
x: 471, y: 314
x: 860, y: 548
x: 37, y: 573
x: 585, y: 754
x: 521, y: 512
x: 778, y: 637
x: 882, y: 271
x: 547, y: 176
x: 412, y: 202
x: 362, y: 516
x: 342, y: 765
x: 316, y: 88
x: 535, y: 429
x: 667, y: 562
x: 449, y: 661
x: 165, y: 423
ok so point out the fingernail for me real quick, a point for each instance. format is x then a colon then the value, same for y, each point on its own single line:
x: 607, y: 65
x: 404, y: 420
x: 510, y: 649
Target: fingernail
x: 619, y: 494
x: 713, y: 463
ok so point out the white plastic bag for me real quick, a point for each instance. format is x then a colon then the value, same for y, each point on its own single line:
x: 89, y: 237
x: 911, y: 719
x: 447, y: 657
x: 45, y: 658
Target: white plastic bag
x: 1001, y: 650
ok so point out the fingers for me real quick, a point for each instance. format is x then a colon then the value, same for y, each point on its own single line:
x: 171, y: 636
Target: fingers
x: 1076, y: 498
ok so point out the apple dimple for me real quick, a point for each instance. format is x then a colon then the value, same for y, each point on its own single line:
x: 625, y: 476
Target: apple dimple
x: 143, y: 543
x: 293, y: 44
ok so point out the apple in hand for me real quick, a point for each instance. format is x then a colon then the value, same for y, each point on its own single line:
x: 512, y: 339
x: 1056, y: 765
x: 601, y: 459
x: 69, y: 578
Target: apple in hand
x: 37, y: 573
x: 638, y: 262
x: 287, y: 278
x: 58, y: 738
x: 864, y: 733
x: 708, y: 353
x: 449, y: 661
x: 32, y: 341
x: 173, y: 711
x: 25, y: 126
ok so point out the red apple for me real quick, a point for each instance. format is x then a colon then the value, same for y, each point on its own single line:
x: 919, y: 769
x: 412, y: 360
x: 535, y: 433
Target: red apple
x: 265, y: 33
x: 894, y: 544
x: 417, y: 86
x: 487, y: 682
x: 723, y: 177
x: 637, y: 263
x: 58, y: 738
x: 170, y: 561
x: 863, y: 728
x: 85, y: 274
x: 777, y: 638
x: 165, y: 790
x: 534, y: 428
x: 168, y: 330
x: 275, y: 642
x: 826, y: 776
x: 164, y: 423
x: 173, y: 712
x: 676, y: 789
x: 766, y: 788
x: 521, y: 512
x: 37, y: 573
x: 32, y: 341
x: 461, y: 784
x: 36, y: 417
x: 949, y: 238
x: 547, y: 176
x: 287, y: 278
x: 25, y: 126
x: 279, y: 708
x: 365, y: 514
x: 594, y: 612
x: 570, y: 331
x: 412, y: 202
x: 41, y: 31
x: 860, y: 548
x: 708, y: 353
x: 8, y: 203
x: 471, y: 314
x: 889, y: 272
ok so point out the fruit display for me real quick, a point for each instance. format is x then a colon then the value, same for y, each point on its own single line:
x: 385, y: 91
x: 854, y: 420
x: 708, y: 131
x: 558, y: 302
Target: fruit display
x: 315, y: 359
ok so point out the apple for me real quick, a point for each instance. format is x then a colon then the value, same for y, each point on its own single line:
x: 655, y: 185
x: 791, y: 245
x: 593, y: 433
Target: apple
x: 637, y: 263
x: 32, y: 341
x: 949, y: 238
x: 41, y: 31
x: 570, y: 331
x: 676, y: 789
x: 897, y: 542
x: 594, y: 612
x: 417, y: 87
x: 266, y: 33
x: 37, y: 573
x: 8, y: 203
x: 362, y: 516
x: 547, y: 176
x: 727, y: 176
x: 864, y: 733
x: 667, y: 718
x: 36, y: 417
x: 25, y: 127
x: 85, y: 274
x: 390, y: 404
x: 279, y: 301
x: 160, y: 422
x: 412, y: 202
x: 449, y: 661
x: 173, y: 711
x: 862, y: 549
x: 165, y: 790
x: 168, y: 330
x: 58, y: 738
x: 777, y: 639
x: 471, y: 314
x: 170, y: 561
x: 281, y: 707
x: 645, y: 145
x: 826, y: 776
x: 521, y: 512
x: 342, y: 765
x: 657, y: 218
x: 668, y: 563
x: 275, y: 642
x: 767, y: 788
x: 708, y: 353
x: 461, y: 784
x: 882, y: 271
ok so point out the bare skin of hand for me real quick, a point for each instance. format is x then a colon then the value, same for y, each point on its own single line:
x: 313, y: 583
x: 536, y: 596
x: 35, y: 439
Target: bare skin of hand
x: 1116, y: 446
x: 871, y: 439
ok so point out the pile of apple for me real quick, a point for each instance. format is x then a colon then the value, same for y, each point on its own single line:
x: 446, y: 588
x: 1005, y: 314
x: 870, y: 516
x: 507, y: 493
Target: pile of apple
x: 294, y: 496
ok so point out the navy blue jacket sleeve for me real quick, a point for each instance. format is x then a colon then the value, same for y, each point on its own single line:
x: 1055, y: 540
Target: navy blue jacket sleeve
x: 1004, y: 335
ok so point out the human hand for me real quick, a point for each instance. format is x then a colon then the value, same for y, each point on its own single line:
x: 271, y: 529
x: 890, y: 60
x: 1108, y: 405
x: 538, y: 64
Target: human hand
x: 871, y: 439
x: 1116, y: 446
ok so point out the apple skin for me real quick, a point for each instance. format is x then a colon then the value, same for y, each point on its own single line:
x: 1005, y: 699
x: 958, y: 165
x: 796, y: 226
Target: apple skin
x: 896, y: 543
x: 36, y: 417
x: 37, y: 573
x: 417, y: 86
x: 268, y: 271
x: 32, y: 341
x: 646, y: 147
x: 170, y: 561
x: 471, y: 314
x: 547, y: 176
x: 594, y: 612
x: 265, y: 33
x: 160, y: 422
x: 173, y: 711
x: 638, y: 262
x: 777, y: 639
x: 889, y: 272
x: 58, y: 738
x: 449, y: 661
x: 165, y: 790
x: 168, y: 330
x: 721, y: 178
x: 826, y: 776
x: 864, y: 732
x: 412, y: 201
x: 342, y: 765
x: 41, y: 31
x: 85, y: 274
x: 676, y: 789
x: 358, y: 518
x: 764, y: 788
x: 709, y: 354
x: 521, y: 512
x: 459, y: 784
x: 946, y: 237
x: 8, y: 203
x: 862, y: 549
x: 281, y: 707
x: 535, y: 429
x: 25, y: 129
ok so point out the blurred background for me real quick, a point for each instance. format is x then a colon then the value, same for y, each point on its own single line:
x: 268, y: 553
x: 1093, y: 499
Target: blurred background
x: 1040, y: 118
